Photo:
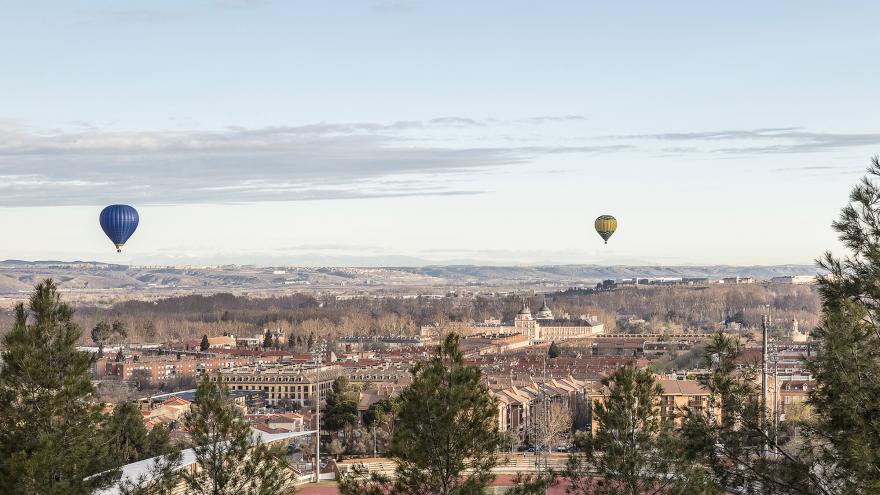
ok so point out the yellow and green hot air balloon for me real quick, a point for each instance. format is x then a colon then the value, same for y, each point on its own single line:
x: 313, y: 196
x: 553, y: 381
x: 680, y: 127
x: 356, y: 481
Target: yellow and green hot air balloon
x: 605, y: 226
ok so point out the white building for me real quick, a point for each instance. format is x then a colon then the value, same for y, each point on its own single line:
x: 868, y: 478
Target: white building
x: 543, y: 326
x: 794, y: 280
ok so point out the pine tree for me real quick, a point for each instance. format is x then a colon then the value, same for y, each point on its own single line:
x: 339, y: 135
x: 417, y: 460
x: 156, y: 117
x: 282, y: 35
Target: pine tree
x: 631, y: 452
x: 381, y: 418
x: 846, y: 401
x: 267, y: 339
x: 838, y: 449
x: 204, y: 345
x: 554, y: 351
x: 127, y: 438
x: 104, y: 333
x: 733, y: 445
x: 48, y: 441
x: 100, y: 335
x: 447, y: 436
x: 230, y: 458
x: 341, y: 411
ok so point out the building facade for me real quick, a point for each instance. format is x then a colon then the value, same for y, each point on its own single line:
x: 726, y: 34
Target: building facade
x: 543, y: 326
x: 283, y: 382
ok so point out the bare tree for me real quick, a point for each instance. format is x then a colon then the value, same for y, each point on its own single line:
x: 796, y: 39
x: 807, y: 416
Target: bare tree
x: 551, y: 424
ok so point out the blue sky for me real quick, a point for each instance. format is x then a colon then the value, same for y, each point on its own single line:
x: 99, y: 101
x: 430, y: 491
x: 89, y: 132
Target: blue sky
x: 396, y: 132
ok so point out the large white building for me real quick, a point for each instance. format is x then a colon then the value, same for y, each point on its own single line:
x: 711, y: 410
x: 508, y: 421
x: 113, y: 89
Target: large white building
x: 543, y: 326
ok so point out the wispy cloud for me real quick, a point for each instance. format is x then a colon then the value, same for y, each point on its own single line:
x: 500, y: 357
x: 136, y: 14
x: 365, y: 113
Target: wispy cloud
x: 239, y: 164
x: 765, y: 140
x: 553, y: 119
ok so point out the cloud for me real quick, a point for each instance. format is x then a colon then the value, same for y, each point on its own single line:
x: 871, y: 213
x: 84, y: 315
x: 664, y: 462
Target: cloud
x: 457, y: 122
x: 676, y: 150
x: 768, y: 140
x: 239, y: 164
x: 715, y: 135
x: 553, y: 119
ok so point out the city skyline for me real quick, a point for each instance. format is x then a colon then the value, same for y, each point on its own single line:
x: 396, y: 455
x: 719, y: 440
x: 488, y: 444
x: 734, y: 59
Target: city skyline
x: 375, y: 133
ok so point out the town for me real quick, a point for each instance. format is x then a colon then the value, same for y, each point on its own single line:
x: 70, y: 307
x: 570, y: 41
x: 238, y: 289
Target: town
x: 535, y: 358
x: 414, y: 247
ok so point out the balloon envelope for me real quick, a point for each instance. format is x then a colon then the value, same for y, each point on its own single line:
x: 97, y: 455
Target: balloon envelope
x: 119, y: 223
x: 605, y: 226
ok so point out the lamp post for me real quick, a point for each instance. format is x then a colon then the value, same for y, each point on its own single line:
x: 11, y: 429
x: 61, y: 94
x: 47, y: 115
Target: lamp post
x: 318, y: 353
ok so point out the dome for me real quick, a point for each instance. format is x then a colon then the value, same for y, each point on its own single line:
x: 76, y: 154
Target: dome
x: 544, y: 313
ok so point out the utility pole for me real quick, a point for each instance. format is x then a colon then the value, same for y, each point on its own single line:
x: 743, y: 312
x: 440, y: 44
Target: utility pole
x: 546, y: 429
x: 318, y: 354
x: 536, y: 427
x: 775, y: 360
x: 764, y: 349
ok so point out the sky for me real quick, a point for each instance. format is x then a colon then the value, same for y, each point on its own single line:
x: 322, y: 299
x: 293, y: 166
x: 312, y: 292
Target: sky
x: 420, y: 132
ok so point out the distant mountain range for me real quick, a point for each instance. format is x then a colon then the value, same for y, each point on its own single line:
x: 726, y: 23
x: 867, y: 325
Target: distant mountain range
x: 597, y: 272
x: 17, y: 276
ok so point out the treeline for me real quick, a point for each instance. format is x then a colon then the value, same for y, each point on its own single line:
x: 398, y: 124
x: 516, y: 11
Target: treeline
x: 704, y: 307
x: 302, y: 315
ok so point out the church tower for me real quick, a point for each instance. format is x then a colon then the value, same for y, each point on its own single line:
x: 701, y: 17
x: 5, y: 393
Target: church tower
x: 524, y: 323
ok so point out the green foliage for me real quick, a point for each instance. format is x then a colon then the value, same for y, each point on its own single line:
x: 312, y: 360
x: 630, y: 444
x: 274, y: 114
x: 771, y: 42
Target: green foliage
x: 230, y: 458
x: 846, y: 401
x: 381, y: 418
x: 381, y: 410
x: 267, y: 339
x: 104, y: 333
x: 838, y: 449
x: 447, y: 438
x: 48, y: 443
x: 525, y: 484
x: 360, y: 482
x: 101, y: 334
x: 204, y: 345
x: 632, y: 452
x: 739, y: 450
x: 340, y: 411
x: 127, y: 438
x: 554, y: 351
x: 162, y: 477
x: 676, y: 360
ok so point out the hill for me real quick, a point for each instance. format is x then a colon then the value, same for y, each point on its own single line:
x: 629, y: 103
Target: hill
x: 19, y: 276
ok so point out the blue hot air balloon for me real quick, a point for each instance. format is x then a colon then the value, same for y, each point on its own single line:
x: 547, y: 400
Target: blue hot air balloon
x: 119, y: 223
